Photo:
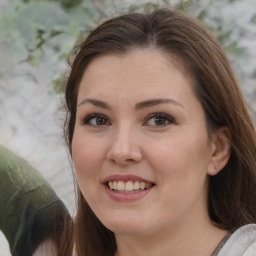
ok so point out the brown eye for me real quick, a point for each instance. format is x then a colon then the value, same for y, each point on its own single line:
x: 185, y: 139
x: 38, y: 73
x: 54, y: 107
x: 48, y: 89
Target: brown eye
x: 159, y: 119
x: 96, y: 120
x: 99, y: 121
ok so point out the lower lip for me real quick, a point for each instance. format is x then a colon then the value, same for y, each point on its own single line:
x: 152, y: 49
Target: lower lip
x: 126, y: 197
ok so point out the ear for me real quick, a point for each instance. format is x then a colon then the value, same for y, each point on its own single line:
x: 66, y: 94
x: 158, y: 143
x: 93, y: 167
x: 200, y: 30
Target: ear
x: 220, y: 150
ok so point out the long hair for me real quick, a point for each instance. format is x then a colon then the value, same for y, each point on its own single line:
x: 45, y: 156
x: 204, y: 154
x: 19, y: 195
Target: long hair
x: 232, y: 192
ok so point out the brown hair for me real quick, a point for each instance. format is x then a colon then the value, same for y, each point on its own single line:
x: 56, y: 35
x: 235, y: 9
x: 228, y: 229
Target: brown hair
x: 232, y: 192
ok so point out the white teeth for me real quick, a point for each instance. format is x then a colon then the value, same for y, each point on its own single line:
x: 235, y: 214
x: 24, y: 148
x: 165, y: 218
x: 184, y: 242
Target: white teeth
x: 111, y: 185
x: 120, y: 185
x: 142, y: 185
x: 128, y: 186
x: 115, y: 184
x: 136, y: 185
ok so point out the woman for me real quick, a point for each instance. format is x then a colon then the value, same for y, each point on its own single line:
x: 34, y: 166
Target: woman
x: 162, y: 144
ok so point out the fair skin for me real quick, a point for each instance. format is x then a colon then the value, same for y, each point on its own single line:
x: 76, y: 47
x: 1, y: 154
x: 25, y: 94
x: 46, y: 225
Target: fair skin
x: 138, y: 119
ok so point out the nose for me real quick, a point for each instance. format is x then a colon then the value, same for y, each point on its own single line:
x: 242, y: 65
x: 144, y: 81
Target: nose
x: 124, y: 148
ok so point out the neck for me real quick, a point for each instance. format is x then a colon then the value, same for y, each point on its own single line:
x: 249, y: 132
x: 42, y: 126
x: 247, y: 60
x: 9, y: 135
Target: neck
x: 198, y: 238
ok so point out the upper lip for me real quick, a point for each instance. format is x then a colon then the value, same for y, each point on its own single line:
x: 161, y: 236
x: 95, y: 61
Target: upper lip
x: 125, y: 178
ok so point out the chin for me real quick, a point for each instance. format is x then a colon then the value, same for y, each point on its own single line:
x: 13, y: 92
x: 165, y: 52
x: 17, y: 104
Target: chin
x: 125, y: 226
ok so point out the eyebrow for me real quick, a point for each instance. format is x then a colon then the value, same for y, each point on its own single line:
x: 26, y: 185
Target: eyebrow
x: 138, y: 106
x: 154, y: 102
x: 97, y: 103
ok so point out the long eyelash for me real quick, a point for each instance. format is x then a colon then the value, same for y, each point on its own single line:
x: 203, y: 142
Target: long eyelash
x: 167, y: 117
x: 89, y: 117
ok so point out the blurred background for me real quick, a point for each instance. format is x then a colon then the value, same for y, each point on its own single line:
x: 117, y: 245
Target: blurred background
x: 36, y: 42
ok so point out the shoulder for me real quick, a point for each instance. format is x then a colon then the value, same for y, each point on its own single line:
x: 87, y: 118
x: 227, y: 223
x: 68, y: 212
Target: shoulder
x: 241, y: 243
x: 30, y: 205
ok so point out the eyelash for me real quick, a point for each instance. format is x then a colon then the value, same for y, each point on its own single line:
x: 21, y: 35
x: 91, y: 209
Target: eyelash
x: 164, y: 117
x: 87, y: 119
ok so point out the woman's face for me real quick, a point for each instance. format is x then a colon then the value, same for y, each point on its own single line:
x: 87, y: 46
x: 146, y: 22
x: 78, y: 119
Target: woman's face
x: 140, y: 148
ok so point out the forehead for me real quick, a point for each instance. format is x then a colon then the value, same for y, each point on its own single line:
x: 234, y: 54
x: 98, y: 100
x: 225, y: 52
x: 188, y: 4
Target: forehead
x: 141, y: 71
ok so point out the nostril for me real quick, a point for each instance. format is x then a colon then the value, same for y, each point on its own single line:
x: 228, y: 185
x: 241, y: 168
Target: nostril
x: 130, y: 160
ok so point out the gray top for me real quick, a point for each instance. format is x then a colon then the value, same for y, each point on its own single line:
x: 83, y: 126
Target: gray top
x: 221, y: 244
x: 242, y: 242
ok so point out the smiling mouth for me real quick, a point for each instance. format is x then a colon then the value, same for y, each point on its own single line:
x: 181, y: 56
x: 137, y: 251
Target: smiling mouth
x: 129, y: 186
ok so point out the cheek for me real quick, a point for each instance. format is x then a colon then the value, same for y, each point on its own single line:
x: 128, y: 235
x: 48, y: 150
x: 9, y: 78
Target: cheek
x: 181, y: 159
x: 182, y: 172
x: 87, y: 157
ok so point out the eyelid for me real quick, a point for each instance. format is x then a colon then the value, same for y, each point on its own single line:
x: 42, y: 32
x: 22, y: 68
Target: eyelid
x: 162, y: 115
x: 87, y: 118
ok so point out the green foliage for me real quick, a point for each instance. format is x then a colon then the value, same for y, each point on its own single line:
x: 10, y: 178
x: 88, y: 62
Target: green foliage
x: 220, y: 28
x: 44, y: 32
x: 184, y: 5
x: 64, y: 3
x: 58, y: 84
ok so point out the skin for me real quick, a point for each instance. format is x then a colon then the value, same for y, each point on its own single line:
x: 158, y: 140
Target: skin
x: 177, y: 156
